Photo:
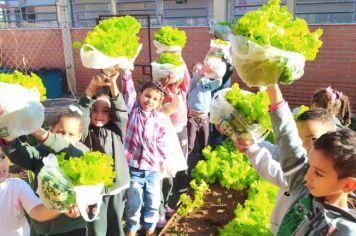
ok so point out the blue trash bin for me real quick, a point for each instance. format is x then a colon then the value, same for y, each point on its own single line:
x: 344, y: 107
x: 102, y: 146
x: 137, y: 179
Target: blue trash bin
x: 52, y: 80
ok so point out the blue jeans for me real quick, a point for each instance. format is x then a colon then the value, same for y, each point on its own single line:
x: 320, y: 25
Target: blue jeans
x: 144, y: 188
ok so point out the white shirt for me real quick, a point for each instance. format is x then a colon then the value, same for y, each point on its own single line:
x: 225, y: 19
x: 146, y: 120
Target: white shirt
x: 15, y: 197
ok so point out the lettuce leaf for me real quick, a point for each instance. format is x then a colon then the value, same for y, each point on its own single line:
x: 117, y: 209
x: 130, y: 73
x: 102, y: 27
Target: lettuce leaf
x: 274, y: 25
x: 170, y: 58
x: 170, y: 36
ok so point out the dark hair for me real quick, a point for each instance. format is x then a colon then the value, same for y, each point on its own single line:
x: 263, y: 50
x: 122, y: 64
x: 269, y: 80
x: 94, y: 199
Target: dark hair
x: 317, y: 114
x: 155, y: 86
x: 335, y: 102
x: 69, y: 114
x: 340, y: 147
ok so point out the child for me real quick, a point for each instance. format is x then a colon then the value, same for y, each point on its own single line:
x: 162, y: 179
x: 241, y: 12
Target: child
x: 320, y: 190
x: 15, y: 197
x: 145, y: 151
x: 264, y: 156
x: 30, y: 158
x: 199, y: 98
x: 336, y: 102
x: 105, y: 124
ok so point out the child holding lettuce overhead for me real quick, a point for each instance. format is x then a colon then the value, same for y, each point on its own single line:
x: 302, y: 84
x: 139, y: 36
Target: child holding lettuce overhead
x: 105, y: 125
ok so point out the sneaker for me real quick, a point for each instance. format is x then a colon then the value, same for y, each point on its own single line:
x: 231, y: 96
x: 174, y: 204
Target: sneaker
x: 161, y: 223
x: 169, y: 211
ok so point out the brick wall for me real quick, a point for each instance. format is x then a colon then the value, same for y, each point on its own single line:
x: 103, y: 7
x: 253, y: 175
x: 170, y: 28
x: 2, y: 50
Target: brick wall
x: 335, y: 64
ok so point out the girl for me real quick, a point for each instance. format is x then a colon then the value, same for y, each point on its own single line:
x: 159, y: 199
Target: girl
x: 336, y: 102
x: 30, y: 158
x: 105, y: 125
x: 15, y: 197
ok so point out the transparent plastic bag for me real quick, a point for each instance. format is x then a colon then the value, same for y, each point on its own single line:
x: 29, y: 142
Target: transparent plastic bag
x: 160, y: 71
x: 264, y: 65
x: 223, y: 50
x: 97, y: 60
x: 214, y: 68
x: 232, y: 123
x: 176, y: 160
x: 219, y: 31
x: 164, y: 48
x: 54, y: 188
x: 21, y: 110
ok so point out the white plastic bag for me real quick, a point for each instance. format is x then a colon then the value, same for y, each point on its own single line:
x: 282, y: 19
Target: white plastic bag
x: 160, y: 71
x: 219, y: 31
x: 214, y: 68
x: 232, y: 123
x: 164, y: 48
x: 97, y: 60
x: 223, y: 49
x: 57, y: 192
x: 176, y: 160
x: 22, y: 113
x: 263, y: 65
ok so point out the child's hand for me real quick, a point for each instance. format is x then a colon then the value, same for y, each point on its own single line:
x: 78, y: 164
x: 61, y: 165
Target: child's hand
x: 167, y: 80
x: 73, y: 212
x: 242, y: 144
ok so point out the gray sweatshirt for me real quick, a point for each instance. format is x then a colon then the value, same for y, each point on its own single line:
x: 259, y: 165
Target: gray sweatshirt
x: 307, y: 215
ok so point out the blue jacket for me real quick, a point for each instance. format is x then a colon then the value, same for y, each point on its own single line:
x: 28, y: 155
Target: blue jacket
x: 199, y: 93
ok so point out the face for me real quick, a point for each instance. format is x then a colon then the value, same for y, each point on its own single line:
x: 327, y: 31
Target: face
x: 322, y: 179
x: 310, y: 130
x: 4, y: 166
x: 69, y: 129
x: 149, y: 99
x: 100, y: 113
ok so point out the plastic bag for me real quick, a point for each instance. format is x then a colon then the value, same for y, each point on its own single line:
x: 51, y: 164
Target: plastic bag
x: 219, y: 31
x: 160, y: 71
x: 176, y: 160
x: 214, y: 68
x: 265, y: 65
x: 54, y: 188
x: 97, y: 60
x: 164, y: 48
x: 22, y: 113
x: 224, y: 50
x: 232, y: 123
x: 57, y: 192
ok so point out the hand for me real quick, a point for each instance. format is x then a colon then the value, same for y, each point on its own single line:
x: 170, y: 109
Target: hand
x: 167, y: 80
x: 242, y: 144
x: 73, y: 212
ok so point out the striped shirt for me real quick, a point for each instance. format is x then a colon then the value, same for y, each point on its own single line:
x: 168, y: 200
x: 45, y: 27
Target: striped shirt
x: 145, y: 145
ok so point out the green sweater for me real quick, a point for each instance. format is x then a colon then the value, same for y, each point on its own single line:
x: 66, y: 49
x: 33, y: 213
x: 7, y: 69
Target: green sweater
x: 30, y: 158
x: 109, y: 139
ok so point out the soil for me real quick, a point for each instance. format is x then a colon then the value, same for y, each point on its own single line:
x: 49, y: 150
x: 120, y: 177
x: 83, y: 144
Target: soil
x: 217, y: 211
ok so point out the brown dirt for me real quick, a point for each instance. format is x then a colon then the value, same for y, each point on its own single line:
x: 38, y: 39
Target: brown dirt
x: 217, y: 211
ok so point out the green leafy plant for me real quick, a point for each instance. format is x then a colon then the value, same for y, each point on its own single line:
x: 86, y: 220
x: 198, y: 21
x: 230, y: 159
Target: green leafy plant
x: 254, y: 106
x: 170, y: 36
x: 300, y: 110
x: 274, y: 25
x: 170, y: 58
x: 114, y: 37
x: 188, y: 205
x: 27, y: 81
x: 221, y: 42
x: 227, y: 23
x: 90, y: 169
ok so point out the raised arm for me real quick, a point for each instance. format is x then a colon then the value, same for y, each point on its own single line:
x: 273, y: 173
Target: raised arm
x: 128, y: 89
x: 291, y: 152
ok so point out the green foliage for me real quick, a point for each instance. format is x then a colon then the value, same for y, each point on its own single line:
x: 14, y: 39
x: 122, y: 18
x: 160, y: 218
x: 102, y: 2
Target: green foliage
x: 274, y: 25
x: 90, y: 169
x: 114, y: 37
x: 252, y: 106
x: 188, y: 205
x: 27, y: 81
x: 221, y: 42
x: 170, y: 58
x: 225, y: 165
x: 227, y: 23
x: 300, y: 110
x: 253, y: 218
x: 170, y: 36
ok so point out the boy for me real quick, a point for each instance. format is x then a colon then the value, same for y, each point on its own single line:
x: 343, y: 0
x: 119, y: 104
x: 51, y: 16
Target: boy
x: 146, y: 151
x: 264, y: 156
x: 320, y: 190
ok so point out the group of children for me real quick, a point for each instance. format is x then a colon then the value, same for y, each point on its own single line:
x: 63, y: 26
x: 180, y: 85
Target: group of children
x: 313, y: 163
